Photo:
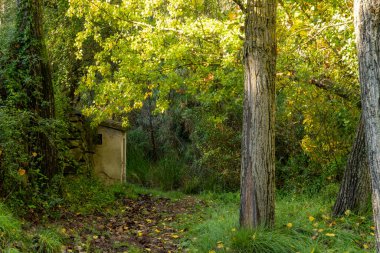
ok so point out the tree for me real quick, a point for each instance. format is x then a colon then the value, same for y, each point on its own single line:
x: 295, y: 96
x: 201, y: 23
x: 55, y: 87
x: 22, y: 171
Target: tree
x: 367, y: 29
x: 258, y: 153
x: 355, y: 187
x: 28, y: 81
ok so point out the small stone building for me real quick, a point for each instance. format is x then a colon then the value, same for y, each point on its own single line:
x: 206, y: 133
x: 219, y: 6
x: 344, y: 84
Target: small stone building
x: 110, y: 148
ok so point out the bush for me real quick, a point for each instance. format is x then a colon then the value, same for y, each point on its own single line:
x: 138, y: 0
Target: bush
x: 21, y: 173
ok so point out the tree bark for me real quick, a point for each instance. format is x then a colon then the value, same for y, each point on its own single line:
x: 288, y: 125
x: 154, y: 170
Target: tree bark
x: 367, y: 29
x: 258, y: 150
x: 355, y: 188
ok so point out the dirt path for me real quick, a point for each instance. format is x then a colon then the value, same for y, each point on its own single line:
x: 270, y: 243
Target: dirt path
x: 142, y: 223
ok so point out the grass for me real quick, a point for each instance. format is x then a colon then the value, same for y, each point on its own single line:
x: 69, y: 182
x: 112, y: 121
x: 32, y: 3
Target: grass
x: 13, y: 239
x: 47, y: 241
x: 88, y: 195
x: 303, y: 224
x: 10, y: 229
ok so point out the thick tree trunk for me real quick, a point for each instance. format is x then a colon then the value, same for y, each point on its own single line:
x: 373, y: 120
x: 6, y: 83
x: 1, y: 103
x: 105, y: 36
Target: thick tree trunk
x: 258, y: 153
x: 355, y: 188
x: 34, y: 77
x: 367, y: 28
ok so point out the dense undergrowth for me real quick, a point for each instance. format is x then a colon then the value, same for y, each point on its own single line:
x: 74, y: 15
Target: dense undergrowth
x: 303, y: 222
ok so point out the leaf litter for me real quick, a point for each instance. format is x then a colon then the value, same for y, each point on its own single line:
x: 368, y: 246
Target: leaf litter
x: 144, y: 223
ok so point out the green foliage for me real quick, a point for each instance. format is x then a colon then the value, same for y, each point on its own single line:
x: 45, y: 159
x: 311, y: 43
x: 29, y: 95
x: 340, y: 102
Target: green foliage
x: 137, y: 163
x: 23, y: 185
x: 7, y: 27
x: 318, y: 96
x: 168, y: 173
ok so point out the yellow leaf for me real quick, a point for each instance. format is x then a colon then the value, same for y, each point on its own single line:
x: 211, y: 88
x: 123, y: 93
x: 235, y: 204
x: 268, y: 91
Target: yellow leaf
x: 175, y: 236
x: 365, y: 246
x: 21, y: 172
x: 347, y: 212
x: 95, y: 237
x: 330, y: 234
x: 320, y: 230
x: 211, y: 251
x: 232, y: 16
x: 289, y: 225
x: 311, y: 218
x: 372, y: 227
x: 34, y: 154
x: 220, y: 245
x: 157, y: 231
x: 139, y: 233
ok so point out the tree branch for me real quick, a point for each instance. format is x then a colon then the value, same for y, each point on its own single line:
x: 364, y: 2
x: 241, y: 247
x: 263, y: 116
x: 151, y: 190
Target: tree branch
x: 241, y: 5
x: 328, y: 85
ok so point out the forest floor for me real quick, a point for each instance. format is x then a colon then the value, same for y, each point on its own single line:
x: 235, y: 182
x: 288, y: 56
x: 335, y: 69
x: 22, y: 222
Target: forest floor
x: 143, y: 223
x: 92, y: 218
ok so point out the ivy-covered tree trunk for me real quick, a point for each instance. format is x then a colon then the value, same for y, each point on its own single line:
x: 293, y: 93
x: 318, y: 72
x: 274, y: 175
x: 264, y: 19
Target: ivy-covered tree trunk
x: 258, y: 150
x: 367, y: 28
x: 355, y: 188
x: 30, y: 82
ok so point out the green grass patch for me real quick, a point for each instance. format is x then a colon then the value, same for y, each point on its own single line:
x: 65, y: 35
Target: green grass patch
x: 303, y: 224
x: 14, y: 239
x: 10, y: 229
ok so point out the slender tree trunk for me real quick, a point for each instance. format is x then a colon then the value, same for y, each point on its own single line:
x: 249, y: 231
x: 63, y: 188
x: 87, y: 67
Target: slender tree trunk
x: 367, y: 28
x: 355, y: 188
x: 258, y: 151
x: 152, y: 132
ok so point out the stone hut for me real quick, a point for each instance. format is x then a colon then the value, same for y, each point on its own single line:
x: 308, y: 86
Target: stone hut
x: 110, y: 149
x: 101, y: 151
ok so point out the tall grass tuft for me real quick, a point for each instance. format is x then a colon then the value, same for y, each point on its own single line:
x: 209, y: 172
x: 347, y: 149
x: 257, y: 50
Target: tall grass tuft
x: 266, y: 241
x: 47, y: 241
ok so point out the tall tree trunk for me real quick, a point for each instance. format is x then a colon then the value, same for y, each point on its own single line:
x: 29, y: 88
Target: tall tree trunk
x: 34, y: 78
x: 258, y: 150
x: 355, y: 188
x: 367, y: 28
